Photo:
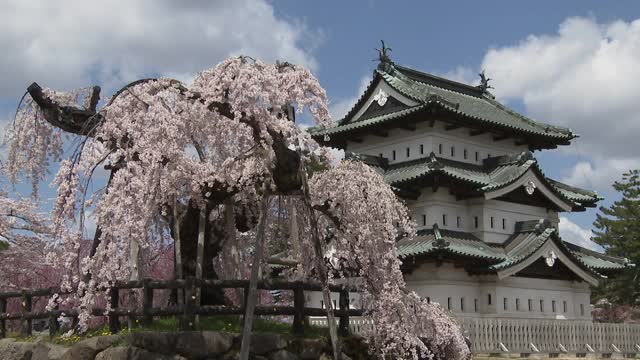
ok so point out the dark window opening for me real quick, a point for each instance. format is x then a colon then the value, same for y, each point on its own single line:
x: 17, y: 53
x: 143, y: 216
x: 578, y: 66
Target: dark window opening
x: 475, y: 305
x: 464, y: 154
x: 424, y: 219
x: 393, y: 154
x: 581, y: 309
x: 449, y: 303
x: 461, y: 304
x: 421, y: 149
x: 408, y: 152
x: 475, y: 221
x: 541, y: 305
x: 530, y: 305
x: 491, y: 220
x: 489, y: 299
x: 517, y: 304
x: 439, y: 148
x: 458, y: 221
x: 428, y: 300
x: 381, y: 155
x: 564, y: 306
x: 504, y: 224
x: 504, y: 303
x: 444, y: 219
x: 453, y: 151
x: 553, y: 306
x: 477, y: 156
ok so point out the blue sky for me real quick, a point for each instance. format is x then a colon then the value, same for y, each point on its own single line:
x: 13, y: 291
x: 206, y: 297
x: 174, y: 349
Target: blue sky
x: 570, y: 63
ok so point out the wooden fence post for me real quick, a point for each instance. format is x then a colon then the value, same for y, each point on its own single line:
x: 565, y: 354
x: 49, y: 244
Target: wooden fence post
x: 3, y: 323
x: 147, y: 303
x: 27, y: 324
x: 343, y: 325
x: 298, y: 305
x: 188, y: 318
x: 53, y: 321
x: 114, y: 303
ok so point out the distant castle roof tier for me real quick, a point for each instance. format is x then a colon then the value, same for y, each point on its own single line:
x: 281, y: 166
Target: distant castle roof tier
x: 503, y: 176
x: 456, y: 103
x: 534, y: 240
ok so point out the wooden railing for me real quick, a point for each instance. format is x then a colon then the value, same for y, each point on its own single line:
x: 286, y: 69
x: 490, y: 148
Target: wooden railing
x: 186, y: 312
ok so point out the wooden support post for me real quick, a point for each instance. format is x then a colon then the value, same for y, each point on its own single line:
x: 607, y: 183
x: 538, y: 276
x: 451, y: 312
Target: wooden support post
x: 27, y: 324
x: 298, y: 304
x: 53, y: 322
x: 188, y: 317
x: 147, y: 303
x: 3, y: 323
x: 114, y: 303
x: 343, y: 325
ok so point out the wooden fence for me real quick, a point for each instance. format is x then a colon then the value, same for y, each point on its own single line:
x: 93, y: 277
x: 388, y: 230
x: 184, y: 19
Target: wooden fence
x: 187, y: 312
x: 530, y: 336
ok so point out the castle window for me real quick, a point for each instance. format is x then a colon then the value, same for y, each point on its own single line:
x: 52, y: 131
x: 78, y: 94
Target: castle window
x: 504, y: 224
x: 488, y: 156
x: 477, y: 156
x: 424, y: 219
x: 475, y: 221
x: 421, y: 149
x: 322, y: 304
x: 489, y: 299
x: 564, y: 306
x: 393, y: 155
x: 464, y: 154
x: 453, y: 151
x: 381, y: 155
x: 553, y: 306
x: 458, y: 221
x: 408, y: 152
x: 491, y: 220
x: 448, y: 303
x: 475, y: 305
x: 428, y: 300
x: 444, y: 219
x: 462, y: 304
x: 541, y: 305
x: 530, y: 305
x: 439, y: 148
x: 504, y: 303
x: 517, y: 304
x: 581, y: 309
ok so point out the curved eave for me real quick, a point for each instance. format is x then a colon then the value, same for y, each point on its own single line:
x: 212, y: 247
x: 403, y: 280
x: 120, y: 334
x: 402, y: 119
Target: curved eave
x: 551, y: 243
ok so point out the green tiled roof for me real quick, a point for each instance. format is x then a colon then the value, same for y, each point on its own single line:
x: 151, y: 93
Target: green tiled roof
x: 452, y: 242
x: 468, y: 102
x: 494, y: 174
x: 516, y: 249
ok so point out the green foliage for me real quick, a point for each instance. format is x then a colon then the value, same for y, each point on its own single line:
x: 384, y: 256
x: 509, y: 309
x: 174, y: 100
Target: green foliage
x: 618, y: 231
x: 3, y: 245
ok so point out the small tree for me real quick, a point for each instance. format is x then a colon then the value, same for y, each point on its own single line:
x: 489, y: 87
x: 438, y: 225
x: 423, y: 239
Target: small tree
x: 618, y: 231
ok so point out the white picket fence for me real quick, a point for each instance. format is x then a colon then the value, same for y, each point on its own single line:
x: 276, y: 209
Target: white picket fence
x: 533, y: 336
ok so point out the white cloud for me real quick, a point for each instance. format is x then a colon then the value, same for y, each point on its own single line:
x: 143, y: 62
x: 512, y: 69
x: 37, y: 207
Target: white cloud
x: 462, y: 74
x: 585, y: 77
x: 341, y: 107
x: 599, y: 173
x: 72, y: 43
x: 575, y: 234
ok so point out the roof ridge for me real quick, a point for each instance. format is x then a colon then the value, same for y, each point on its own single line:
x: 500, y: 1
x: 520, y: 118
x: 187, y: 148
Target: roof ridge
x: 469, y: 88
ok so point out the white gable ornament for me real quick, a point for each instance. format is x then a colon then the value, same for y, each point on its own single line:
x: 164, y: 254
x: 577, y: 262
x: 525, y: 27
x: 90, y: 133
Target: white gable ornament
x: 530, y: 187
x: 550, y: 258
x: 381, y: 97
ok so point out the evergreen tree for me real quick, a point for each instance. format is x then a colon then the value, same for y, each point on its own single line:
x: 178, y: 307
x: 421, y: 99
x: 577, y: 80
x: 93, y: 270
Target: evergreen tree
x: 618, y: 231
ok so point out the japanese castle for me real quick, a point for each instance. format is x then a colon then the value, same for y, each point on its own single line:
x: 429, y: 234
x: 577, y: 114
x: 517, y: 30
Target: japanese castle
x: 488, y: 243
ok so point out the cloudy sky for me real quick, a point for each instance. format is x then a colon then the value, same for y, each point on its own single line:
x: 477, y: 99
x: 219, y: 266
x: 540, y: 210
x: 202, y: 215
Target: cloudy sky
x: 572, y: 63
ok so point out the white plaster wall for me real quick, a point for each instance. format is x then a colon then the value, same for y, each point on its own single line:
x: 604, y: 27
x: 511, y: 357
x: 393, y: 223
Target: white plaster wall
x: 447, y: 282
x: 434, y: 139
x: 429, y: 208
